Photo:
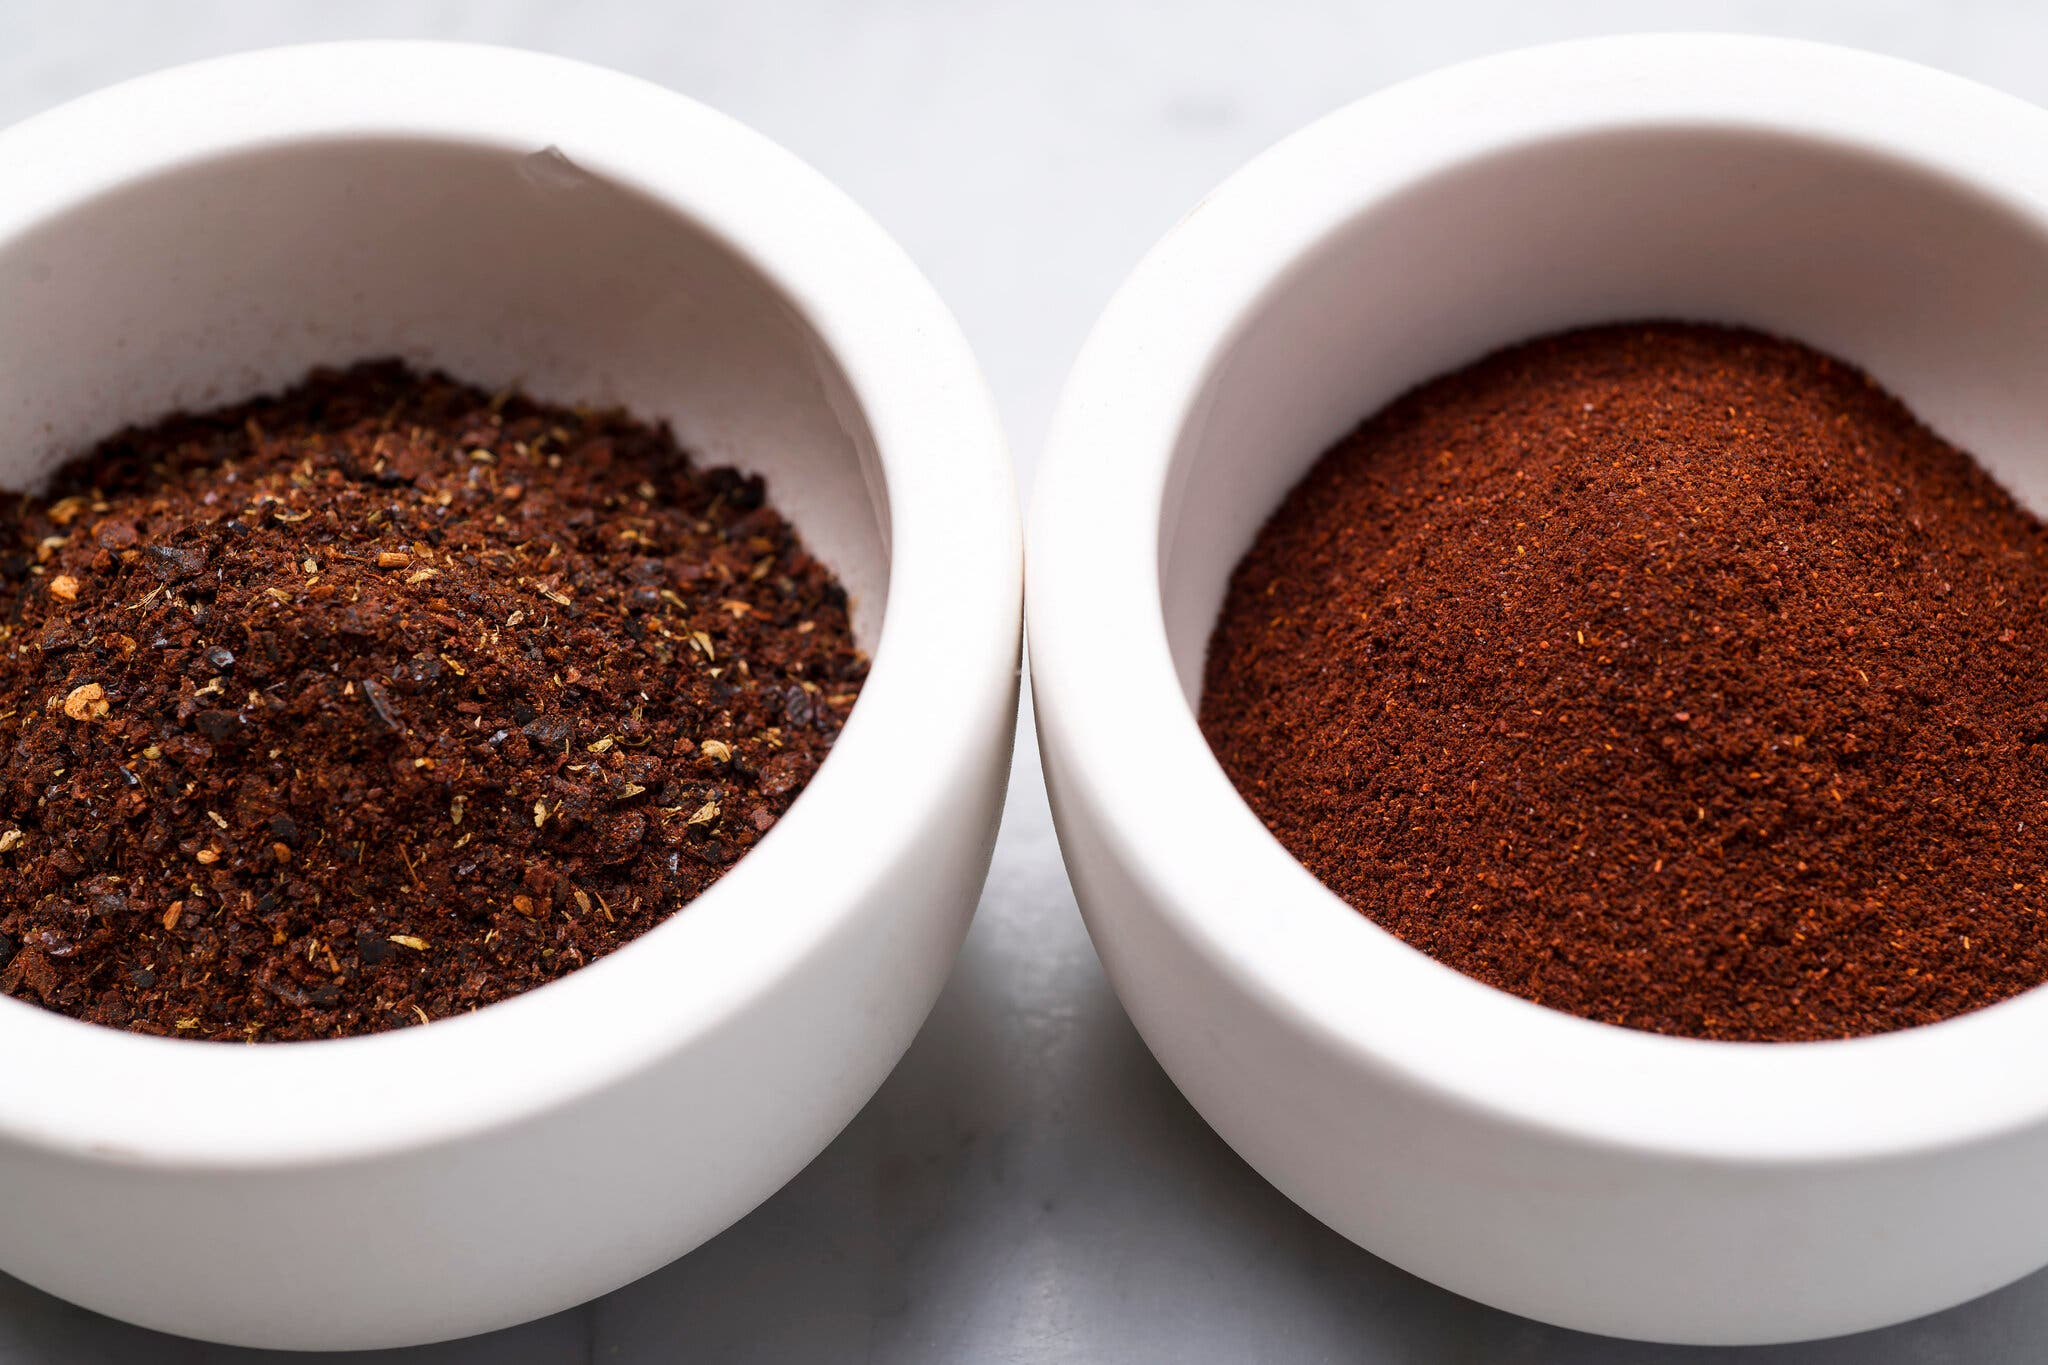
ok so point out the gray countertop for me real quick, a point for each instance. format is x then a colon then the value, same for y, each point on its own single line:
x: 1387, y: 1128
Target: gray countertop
x: 1027, y: 1187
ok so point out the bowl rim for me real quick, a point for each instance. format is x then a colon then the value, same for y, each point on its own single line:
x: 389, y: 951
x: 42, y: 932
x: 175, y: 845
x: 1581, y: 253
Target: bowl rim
x: 1193, y: 851
x: 944, y: 665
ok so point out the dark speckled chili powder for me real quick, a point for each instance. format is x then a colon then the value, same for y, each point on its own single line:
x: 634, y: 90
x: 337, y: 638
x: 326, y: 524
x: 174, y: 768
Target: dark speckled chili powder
x: 385, y: 699
x: 1667, y: 675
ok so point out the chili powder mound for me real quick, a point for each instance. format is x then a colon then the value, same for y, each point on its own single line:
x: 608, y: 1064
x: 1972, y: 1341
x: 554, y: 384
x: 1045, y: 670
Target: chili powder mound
x: 1668, y: 675
x: 384, y: 699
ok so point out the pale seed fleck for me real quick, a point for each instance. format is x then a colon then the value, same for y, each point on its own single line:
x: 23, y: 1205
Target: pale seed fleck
x: 87, y: 702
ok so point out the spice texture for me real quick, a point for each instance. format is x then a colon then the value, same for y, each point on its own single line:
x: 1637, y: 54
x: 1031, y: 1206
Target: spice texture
x: 385, y: 699
x: 1668, y: 675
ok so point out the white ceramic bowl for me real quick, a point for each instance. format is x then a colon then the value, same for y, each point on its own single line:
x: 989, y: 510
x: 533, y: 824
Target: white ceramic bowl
x: 206, y: 233
x: 1603, y: 1179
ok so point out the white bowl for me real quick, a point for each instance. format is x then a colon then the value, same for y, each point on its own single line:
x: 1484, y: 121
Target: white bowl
x: 1587, y: 1175
x: 203, y: 234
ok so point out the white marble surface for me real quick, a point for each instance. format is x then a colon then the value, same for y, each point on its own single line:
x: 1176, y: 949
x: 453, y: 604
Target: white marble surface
x: 1027, y: 1188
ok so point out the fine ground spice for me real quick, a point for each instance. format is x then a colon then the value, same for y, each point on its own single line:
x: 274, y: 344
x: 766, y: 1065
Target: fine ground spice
x: 384, y: 699
x: 1668, y: 675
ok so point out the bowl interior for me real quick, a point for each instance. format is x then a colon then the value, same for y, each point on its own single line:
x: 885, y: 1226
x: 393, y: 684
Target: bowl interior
x: 232, y: 275
x: 1929, y: 285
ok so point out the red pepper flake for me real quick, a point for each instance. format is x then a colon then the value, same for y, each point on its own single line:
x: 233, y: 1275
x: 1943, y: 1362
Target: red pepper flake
x: 388, y: 650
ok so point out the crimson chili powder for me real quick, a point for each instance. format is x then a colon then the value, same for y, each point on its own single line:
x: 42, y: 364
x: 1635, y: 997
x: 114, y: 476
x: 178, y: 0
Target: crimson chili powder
x: 384, y: 699
x: 1669, y: 675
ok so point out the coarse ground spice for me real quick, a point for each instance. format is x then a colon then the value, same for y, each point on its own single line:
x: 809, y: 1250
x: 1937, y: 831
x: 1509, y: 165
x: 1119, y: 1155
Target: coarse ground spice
x: 1668, y: 675
x: 384, y: 699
